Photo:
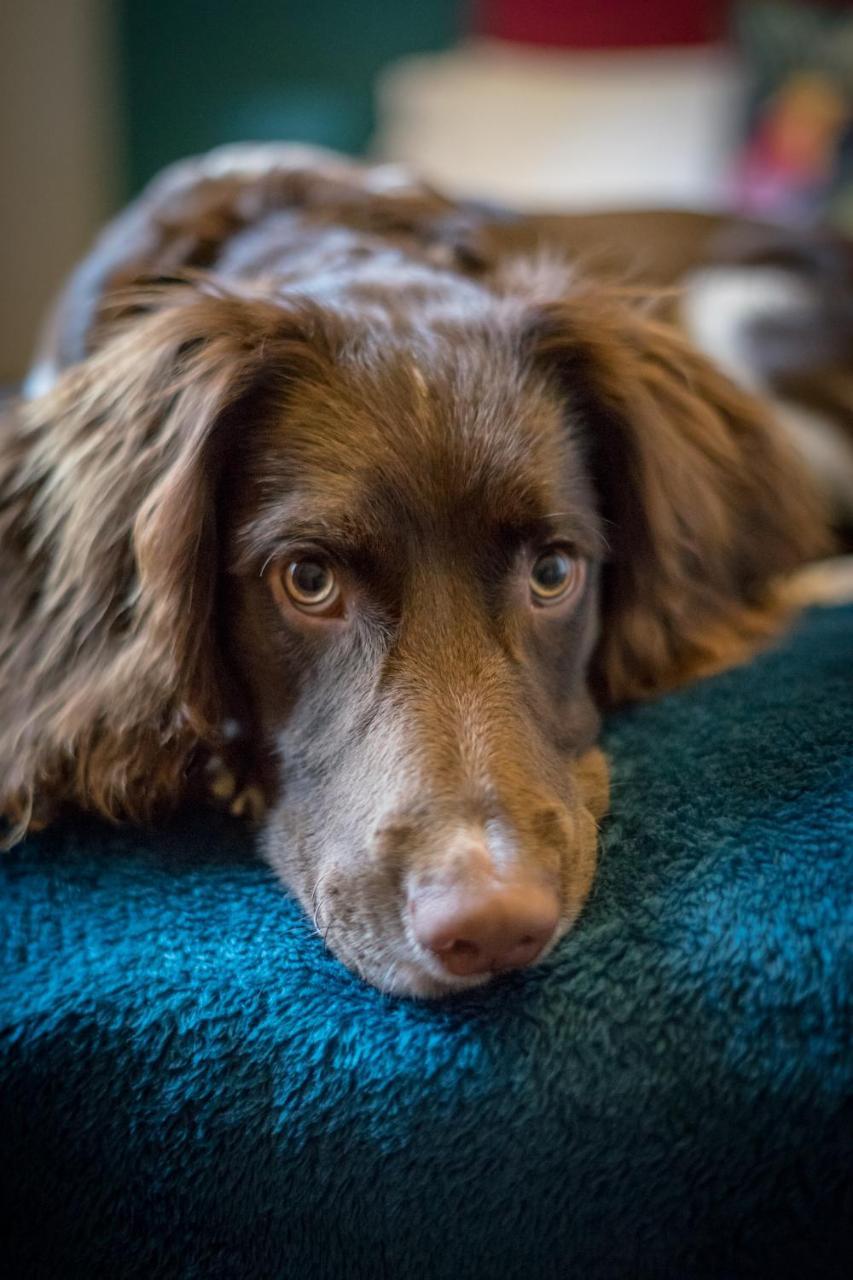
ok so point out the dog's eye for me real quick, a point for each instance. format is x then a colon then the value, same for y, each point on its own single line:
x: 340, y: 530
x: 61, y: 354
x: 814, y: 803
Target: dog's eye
x: 311, y: 585
x: 555, y: 576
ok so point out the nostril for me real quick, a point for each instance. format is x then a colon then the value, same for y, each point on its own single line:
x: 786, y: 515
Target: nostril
x: 459, y: 949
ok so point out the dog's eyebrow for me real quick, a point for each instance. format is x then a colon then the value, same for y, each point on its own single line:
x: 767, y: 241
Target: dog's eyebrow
x: 327, y: 523
x: 573, y: 527
x: 323, y: 538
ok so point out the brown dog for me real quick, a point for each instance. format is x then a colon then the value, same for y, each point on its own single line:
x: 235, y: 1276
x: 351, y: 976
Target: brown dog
x: 310, y: 451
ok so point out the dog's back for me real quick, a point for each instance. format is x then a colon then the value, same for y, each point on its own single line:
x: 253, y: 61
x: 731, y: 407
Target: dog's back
x: 772, y: 307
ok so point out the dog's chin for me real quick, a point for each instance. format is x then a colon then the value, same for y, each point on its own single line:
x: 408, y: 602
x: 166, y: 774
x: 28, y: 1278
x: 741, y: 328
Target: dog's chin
x: 420, y: 976
x: 418, y: 982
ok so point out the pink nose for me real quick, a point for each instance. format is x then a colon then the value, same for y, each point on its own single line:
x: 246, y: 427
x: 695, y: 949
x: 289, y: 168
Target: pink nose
x: 486, y: 926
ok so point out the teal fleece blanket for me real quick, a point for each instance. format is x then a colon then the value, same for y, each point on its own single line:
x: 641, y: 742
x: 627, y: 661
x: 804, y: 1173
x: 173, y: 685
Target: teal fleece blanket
x: 191, y: 1086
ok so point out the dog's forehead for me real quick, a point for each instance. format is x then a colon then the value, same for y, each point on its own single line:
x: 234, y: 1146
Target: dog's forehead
x: 456, y: 428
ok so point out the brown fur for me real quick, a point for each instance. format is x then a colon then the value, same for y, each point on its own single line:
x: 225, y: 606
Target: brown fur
x: 374, y: 381
x: 703, y: 505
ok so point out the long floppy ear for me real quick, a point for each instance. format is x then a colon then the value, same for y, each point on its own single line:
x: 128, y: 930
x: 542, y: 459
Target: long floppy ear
x: 705, y: 506
x: 109, y: 484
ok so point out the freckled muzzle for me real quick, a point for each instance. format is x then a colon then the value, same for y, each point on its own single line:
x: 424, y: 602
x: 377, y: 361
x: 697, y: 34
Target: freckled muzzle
x: 488, y: 898
x: 441, y: 897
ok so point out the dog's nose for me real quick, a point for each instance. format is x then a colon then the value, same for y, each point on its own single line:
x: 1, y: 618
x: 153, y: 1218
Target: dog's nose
x: 487, y: 926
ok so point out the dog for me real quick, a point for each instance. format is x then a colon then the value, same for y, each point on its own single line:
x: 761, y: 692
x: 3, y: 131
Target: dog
x: 381, y: 500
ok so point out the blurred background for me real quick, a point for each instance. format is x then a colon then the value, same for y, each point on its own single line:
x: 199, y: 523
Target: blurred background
x: 538, y: 103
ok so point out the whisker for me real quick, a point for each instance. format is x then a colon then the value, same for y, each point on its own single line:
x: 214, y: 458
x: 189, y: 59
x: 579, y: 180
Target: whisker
x: 388, y: 976
x: 317, y: 907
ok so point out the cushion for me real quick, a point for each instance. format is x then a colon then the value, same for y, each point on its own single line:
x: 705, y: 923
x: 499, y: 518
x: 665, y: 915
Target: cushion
x: 190, y: 1085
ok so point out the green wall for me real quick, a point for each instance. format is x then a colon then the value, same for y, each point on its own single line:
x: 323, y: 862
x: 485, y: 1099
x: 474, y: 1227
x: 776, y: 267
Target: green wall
x: 194, y: 73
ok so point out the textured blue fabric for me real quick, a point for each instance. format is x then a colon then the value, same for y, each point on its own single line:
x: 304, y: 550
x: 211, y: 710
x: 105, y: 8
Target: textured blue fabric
x: 192, y: 1087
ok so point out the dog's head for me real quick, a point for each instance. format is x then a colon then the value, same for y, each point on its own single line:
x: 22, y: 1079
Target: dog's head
x: 414, y: 545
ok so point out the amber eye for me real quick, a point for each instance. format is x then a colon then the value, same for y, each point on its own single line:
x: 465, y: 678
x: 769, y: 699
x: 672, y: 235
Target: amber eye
x: 311, y: 585
x: 554, y: 576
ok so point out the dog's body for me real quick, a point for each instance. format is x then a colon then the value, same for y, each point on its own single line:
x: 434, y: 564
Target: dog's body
x: 310, y: 450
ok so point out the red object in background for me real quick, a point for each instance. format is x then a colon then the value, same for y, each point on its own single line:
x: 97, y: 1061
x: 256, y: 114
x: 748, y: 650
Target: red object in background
x: 607, y: 24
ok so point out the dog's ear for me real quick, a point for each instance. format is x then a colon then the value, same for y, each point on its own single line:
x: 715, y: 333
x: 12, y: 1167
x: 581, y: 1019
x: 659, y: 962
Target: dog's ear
x: 704, y: 504
x: 108, y: 523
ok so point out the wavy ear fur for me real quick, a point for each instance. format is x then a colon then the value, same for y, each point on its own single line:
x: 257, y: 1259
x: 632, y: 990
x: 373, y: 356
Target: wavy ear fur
x: 705, y: 506
x: 108, y: 553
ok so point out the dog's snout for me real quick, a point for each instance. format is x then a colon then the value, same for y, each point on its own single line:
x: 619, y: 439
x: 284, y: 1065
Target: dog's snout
x: 480, y: 924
